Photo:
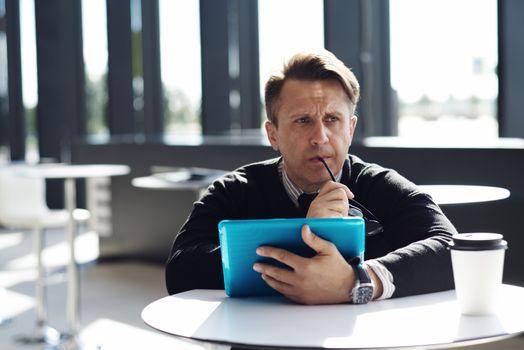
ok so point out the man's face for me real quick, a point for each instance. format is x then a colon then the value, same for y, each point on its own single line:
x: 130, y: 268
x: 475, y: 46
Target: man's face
x: 315, y: 119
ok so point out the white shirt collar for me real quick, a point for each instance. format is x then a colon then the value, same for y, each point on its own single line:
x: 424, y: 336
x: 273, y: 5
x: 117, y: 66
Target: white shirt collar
x: 292, y: 190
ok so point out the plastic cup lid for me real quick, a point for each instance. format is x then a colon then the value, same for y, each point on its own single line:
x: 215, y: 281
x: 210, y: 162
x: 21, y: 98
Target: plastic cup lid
x: 478, y: 241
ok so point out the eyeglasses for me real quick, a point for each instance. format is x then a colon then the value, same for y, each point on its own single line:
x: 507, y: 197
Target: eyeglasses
x: 373, y: 225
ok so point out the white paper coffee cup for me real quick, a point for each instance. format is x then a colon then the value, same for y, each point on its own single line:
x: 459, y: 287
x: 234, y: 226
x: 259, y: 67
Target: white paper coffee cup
x: 478, y: 263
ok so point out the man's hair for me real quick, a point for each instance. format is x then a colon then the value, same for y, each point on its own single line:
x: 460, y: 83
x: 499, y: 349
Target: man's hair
x: 310, y: 67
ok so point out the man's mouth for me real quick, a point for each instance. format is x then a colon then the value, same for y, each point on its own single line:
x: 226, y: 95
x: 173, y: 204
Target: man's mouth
x: 318, y: 159
x: 328, y: 169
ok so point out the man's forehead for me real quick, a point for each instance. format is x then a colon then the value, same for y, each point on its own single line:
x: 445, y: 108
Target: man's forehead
x: 312, y: 89
x: 305, y: 95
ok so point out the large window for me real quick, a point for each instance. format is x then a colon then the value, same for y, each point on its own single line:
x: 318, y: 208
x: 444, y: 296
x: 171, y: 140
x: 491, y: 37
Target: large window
x: 443, y: 55
x: 95, y: 62
x: 29, y: 75
x: 285, y: 28
x: 443, y: 68
x: 180, y: 61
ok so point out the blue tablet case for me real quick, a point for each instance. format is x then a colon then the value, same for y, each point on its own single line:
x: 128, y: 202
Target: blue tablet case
x: 240, y: 238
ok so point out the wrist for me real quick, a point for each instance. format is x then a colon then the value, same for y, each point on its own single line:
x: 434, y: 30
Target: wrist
x: 378, y: 289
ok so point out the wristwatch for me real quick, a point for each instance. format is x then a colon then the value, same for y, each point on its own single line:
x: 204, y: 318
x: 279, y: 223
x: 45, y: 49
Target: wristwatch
x: 362, y: 293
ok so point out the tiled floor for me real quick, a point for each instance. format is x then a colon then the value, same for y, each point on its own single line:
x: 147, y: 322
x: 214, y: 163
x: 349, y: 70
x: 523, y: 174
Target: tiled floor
x: 112, y: 297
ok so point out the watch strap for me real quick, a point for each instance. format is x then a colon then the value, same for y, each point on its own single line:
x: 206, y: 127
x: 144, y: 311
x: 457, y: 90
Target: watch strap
x: 362, y: 274
x: 362, y: 293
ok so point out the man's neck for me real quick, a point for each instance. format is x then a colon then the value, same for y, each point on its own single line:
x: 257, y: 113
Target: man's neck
x: 293, y: 190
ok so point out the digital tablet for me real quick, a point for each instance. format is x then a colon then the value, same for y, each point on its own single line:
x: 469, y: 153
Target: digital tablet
x: 240, y: 238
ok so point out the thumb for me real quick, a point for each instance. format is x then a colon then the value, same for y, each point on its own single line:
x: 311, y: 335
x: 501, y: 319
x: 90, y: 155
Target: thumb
x: 319, y: 245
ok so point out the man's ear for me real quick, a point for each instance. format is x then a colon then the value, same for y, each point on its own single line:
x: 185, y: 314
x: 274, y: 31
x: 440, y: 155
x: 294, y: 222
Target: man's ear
x: 352, y: 125
x: 271, y: 131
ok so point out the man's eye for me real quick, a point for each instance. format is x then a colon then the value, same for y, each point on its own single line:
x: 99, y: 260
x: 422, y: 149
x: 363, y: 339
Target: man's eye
x: 302, y: 120
x: 332, y: 118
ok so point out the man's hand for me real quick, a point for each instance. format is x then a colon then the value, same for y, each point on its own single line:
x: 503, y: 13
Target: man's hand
x: 323, y: 279
x: 331, y: 201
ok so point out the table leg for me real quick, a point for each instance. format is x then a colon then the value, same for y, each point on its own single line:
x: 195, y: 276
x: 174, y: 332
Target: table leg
x: 43, y: 333
x: 41, y: 313
x: 72, y: 267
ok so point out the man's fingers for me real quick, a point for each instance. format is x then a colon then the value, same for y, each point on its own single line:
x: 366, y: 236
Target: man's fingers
x: 277, y: 273
x: 319, y: 245
x: 331, y: 201
x: 337, y: 194
x: 282, y: 255
x: 279, y: 286
x: 331, y: 186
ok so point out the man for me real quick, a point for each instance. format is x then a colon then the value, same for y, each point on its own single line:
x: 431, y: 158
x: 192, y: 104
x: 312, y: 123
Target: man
x: 310, y: 107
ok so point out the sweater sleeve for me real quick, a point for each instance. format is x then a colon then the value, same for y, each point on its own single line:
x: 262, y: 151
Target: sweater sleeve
x: 416, y: 233
x: 424, y: 265
x: 195, y: 260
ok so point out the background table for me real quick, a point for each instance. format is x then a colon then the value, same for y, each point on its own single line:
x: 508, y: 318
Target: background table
x: 461, y: 194
x: 429, y: 320
x: 179, y: 180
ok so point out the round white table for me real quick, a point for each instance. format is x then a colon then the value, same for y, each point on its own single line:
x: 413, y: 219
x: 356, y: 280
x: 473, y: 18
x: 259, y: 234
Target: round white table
x: 461, y: 194
x: 69, y: 173
x: 179, y: 180
x: 428, y: 321
x: 154, y: 182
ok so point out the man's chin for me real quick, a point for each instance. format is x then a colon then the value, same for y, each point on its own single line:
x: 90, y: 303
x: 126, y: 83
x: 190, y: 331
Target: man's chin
x: 314, y: 184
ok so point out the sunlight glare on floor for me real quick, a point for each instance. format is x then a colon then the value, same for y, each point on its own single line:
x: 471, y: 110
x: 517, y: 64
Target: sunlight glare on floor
x: 8, y: 240
x: 13, y: 304
x: 12, y: 278
x: 109, y: 334
x: 86, y: 250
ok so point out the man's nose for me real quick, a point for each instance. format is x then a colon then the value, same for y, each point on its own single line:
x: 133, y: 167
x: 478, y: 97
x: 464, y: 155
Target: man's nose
x: 319, y: 134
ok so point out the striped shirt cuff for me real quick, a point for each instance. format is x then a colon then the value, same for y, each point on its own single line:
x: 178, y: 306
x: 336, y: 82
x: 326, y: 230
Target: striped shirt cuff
x: 388, y: 288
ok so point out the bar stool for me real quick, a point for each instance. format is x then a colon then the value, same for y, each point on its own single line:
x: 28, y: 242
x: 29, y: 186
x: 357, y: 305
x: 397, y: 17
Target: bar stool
x: 23, y: 206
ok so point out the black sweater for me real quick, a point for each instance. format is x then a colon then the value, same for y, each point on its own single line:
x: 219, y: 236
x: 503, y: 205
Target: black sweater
x: 412, y: 246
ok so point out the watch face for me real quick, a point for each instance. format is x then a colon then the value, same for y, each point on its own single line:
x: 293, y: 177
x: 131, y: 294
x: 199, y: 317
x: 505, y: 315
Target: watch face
x: 362, y: 294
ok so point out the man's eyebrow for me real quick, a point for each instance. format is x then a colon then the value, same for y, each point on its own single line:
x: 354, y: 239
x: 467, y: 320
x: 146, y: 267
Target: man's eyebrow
x: 300, y: 114
x: 337, y: 113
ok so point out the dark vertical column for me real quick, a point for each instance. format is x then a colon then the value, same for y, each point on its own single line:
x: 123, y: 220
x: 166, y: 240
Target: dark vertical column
x: 61, y: 82
x: 120, y: 73
x: 80, y: 125
x: 249, y: 81
x: 357, y: 32
x: 510, y: 69
x: 16, y: 128
x: 216, y: 117
x: 342, y: 37
x: 153, y: 92
x: 385, y: 121
x: 3, y: 78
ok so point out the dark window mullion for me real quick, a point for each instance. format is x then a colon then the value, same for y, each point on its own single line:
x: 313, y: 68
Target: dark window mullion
x: 121, y: 119
x: 16, y: 128
x: 510, y: 69
x: 356, y: 33
x: 249, y: 81
x: 216, y: 111
x: 153, y: 92
x: 61, y: 82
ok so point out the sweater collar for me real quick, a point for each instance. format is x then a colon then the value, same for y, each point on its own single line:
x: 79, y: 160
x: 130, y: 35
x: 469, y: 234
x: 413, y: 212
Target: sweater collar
x: 292, y: 190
